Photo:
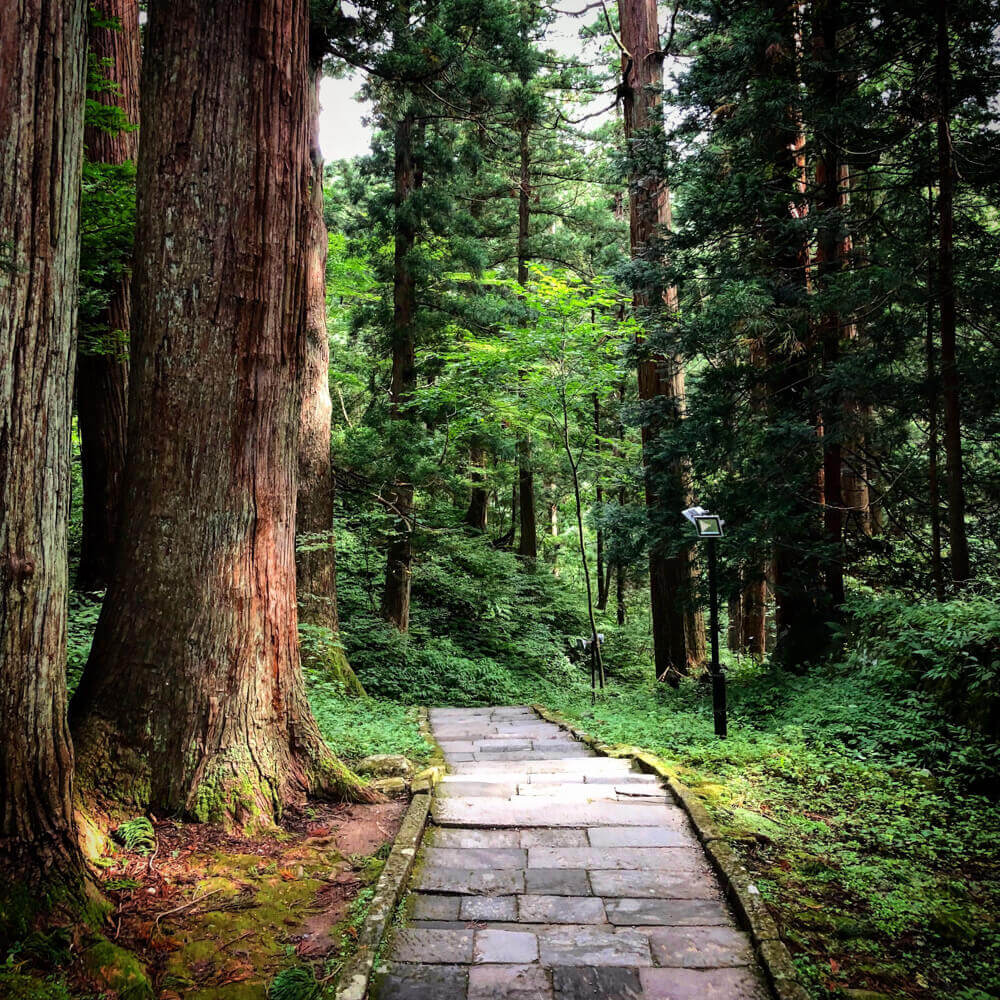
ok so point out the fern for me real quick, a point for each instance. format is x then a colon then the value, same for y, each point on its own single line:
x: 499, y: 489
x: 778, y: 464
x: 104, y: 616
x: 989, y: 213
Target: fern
x: 136, y: 835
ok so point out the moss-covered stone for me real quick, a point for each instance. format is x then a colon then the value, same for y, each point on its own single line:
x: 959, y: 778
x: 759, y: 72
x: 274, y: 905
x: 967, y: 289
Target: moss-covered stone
x: 116, y: 969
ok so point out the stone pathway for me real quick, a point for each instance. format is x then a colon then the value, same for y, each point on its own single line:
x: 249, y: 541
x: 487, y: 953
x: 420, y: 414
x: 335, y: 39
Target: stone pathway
x: 550, y: 873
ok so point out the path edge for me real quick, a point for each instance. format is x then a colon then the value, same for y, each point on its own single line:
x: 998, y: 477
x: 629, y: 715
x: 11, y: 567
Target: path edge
x: 357, y: 971
x: 740, y: 889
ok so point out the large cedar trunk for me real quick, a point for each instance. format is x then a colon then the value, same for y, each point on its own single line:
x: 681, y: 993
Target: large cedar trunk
x: 193, y: 701
x: 396, y: 593
x: 678, y: 633
x: 800, y: 611
x: 948, y: 308
x: 42, y: 69
x: 831, y: 256
x: 102, y: 368
x: 316, y: 553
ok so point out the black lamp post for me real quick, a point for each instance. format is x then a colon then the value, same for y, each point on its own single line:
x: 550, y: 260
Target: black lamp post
x: 709, y: 527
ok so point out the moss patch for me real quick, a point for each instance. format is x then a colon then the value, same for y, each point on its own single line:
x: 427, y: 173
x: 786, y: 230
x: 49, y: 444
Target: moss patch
x: 114, y: 968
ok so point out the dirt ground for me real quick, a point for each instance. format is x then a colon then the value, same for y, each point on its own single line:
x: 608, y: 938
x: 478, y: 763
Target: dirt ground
x: 216, y: 917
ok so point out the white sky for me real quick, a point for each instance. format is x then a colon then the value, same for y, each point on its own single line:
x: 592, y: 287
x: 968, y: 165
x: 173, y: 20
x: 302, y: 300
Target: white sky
x: 343, y: 135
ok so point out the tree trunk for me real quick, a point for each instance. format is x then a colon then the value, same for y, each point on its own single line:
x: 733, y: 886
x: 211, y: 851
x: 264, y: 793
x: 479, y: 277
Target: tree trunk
x: 479, y: 498
x: 316, y: 551
x: 396, y: 594
x: 102, y: 362
x: 528, y: 544
x: 950, y: 389
x: 602, y: 577
x: 933, y: 485
x: 193, y: 700
x: 678, y: 632
x: 43, y: 68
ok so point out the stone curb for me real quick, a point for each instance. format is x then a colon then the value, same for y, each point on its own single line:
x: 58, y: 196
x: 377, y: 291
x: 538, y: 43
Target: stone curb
x: 743, y: 894
x: 426, y: 779
x: 357, y: 971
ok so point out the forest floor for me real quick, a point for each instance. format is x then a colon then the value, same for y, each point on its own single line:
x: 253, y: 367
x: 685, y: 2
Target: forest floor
x: 214, y: 916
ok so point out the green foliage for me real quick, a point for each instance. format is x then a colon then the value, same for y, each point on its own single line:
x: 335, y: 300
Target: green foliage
x: 296, y: 983
x: 951, y: 649
x: 359, y: 727
x: 136, y: 835
x: 84, y: 610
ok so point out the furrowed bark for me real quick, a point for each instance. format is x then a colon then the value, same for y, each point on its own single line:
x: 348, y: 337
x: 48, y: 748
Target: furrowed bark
x: 316, y: 551
x: 43, y: 74
x: 948, y: 310
x: 193, y: 700
x: 479, y: 498
x: 396, y: 593
x: 527, y: 546
x: 678, y: 632
x: 102, y: 367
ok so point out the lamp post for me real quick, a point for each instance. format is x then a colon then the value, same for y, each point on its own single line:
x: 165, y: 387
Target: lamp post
x: 709, y: 527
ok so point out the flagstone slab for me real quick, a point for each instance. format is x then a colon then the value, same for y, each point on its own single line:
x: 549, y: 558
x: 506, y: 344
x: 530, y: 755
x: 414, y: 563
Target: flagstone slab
x: 467, y: 789
x: 700, y: 947
x: 657, y: 884
x: 488, y: 811
x: 641, y: 836
x: 452, y: 836
x: 674, y: 859
x: 489, y: 908
x: 509, y: 947
x: 667, y: 912
x: 553, y: 837
x: 494, y: 858
x: 472, y: 882
x: 583, y: 944
x: 578, y: 765
x: 557, y: 882
x: 701, y: 984
x: 591, y: 983
x: 422, y: 982
x: 509, y: 982
x: 533, y: 909
x: 426, y: 907
x: 435, y: 947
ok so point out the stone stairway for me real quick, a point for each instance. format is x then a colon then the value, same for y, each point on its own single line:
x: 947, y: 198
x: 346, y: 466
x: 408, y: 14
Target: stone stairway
x: 549, y: 872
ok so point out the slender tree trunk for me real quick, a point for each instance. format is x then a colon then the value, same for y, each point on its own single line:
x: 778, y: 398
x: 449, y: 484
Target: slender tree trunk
x: 43, y: 73
x: 396, y: 595
x: 528, y: 544
x: 933, y: 486
x: 102, y: 362
x: 753, y: 604
x: 193, y: 700
x: 950, y: 389
x: 479, y: 498
x: 678, y: 632
x: 602, y: 577
x: 316, y: 550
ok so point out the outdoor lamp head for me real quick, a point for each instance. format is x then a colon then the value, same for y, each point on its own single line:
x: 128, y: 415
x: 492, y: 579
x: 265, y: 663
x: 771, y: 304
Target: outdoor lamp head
x: 708, y: 526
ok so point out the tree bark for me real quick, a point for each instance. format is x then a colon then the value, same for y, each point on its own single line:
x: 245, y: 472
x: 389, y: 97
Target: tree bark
x: 43, y: 73
x: 602, y: 578
x: 102, y: 367
x: 316, y: 551
x: 930, y: 357
x: 678, y: 632
x: 527, y: 546
x: 479, y: 498
x: 950, y: 387
x: 396, y: 593
x: 193, y: 700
